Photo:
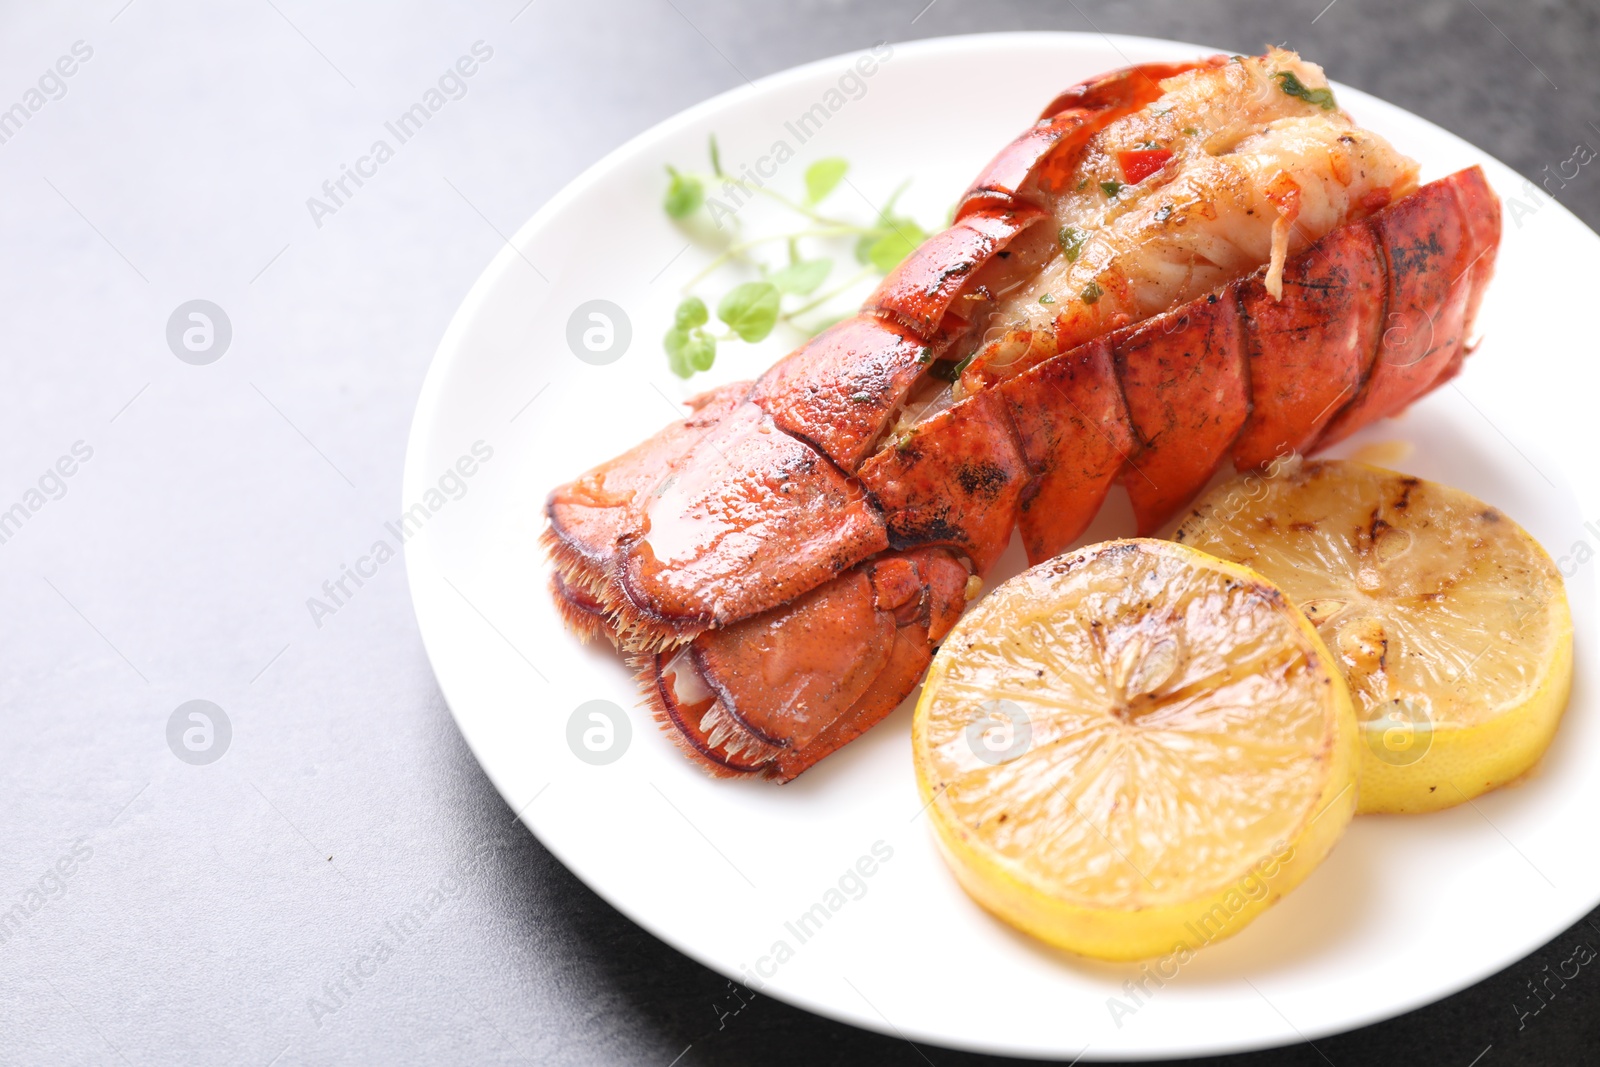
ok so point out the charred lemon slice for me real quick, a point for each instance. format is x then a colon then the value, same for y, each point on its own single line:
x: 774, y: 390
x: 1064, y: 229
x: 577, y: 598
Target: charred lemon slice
x: 1449, y: 622
x: 1131, y: 750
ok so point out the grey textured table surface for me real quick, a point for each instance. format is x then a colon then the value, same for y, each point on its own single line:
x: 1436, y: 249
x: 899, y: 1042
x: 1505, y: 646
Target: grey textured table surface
x: 162, y: 912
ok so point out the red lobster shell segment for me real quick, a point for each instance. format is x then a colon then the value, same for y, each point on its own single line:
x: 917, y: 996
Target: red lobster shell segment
x: 591, y: 519
x: 1430, y: 246
x: 1309, y: 349
x: 918, y: 292
x: 957, y: 482
x: 838, y: 390
x: 1043, y: 151
x: 1187, y: 385
x: 776, y: 693
x: 747, y: 499
x: 779, y: 566
x: 994, y: 210
x: 834, y: 396
x: 1073, y: 427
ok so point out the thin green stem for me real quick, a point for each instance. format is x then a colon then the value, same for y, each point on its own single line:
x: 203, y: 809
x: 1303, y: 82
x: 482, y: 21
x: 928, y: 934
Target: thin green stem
x: 735, y: 251
x: 815, y: 302
x: 814, y: 216
x: 748, y: 186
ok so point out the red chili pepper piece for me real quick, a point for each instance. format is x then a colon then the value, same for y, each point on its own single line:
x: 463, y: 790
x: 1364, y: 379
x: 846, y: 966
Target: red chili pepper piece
x: 1140, y: 163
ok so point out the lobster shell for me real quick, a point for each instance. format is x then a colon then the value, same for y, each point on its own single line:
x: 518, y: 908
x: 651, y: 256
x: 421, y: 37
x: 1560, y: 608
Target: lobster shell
x: 780, y: 582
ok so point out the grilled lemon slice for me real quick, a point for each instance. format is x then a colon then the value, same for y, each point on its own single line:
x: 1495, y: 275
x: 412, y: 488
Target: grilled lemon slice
x: 1449, y: 621
x: 1132, y: 749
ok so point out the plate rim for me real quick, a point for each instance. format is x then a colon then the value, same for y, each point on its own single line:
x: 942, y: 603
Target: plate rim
x: 413, y: 480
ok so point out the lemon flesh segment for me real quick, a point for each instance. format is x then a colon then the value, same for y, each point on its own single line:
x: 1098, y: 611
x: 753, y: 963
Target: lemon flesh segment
x: 1449, y: 622
x: 1133, y: 749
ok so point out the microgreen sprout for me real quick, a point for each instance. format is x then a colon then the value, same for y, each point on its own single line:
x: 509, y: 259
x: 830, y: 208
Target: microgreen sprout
x: 783, y: 292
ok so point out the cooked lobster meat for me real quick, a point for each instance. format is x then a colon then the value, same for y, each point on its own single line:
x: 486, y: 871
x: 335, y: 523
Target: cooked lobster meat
x: 1176, y: 267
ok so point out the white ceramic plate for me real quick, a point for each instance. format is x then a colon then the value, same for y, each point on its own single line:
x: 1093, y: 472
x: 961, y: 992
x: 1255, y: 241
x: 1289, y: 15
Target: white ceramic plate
x: 1405, y: 911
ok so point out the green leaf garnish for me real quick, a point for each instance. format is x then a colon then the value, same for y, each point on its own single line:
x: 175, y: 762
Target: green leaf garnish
x: 1289, y: 83
x: 1111, y: 188
x: 701, y: 351
x: 864, y: 246
x: 689, y: 350
x: 684, y: 196
x: 822, y: 177
x: 801, y: 278
x: 691, y: 312
x: 1047, y: 299
x: 675, y: 341
x: 895, y: 245
x: 948, y: 370
x: 751, y: 310
x: 1071, y: 240
x: 892, y: 240
x: 1091, y: 292
x: 886, y: 216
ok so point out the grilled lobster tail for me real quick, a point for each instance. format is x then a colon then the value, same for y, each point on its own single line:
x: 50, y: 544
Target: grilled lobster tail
x: 780, y: 565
